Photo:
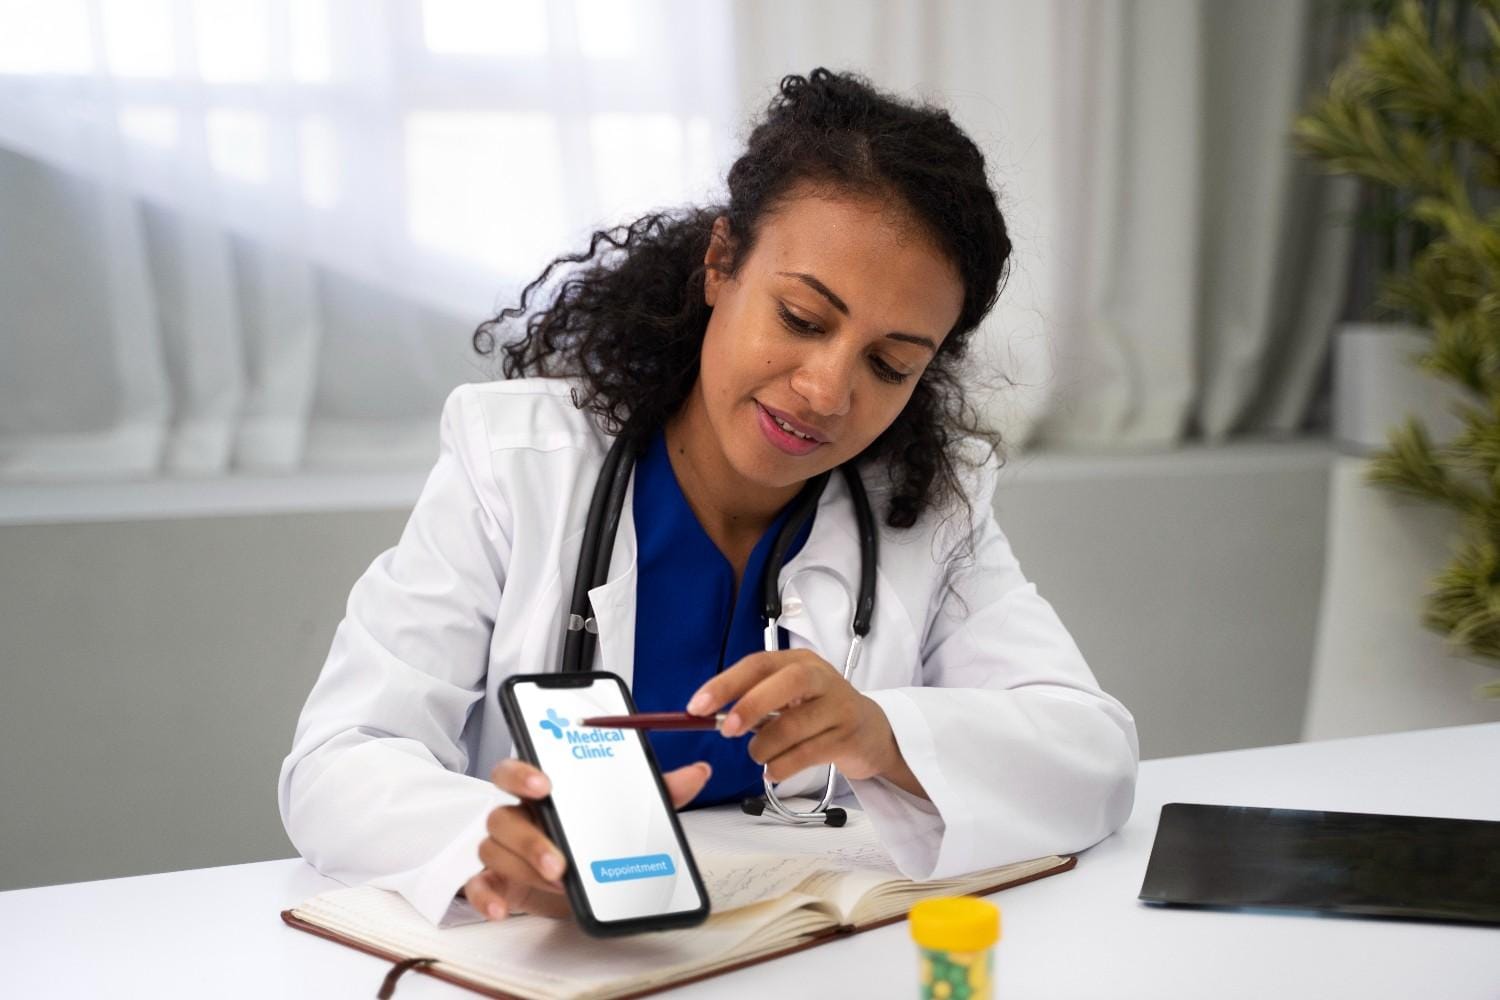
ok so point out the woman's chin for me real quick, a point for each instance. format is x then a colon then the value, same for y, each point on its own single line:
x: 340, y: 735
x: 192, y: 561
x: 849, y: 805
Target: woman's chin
x: 775, y: 472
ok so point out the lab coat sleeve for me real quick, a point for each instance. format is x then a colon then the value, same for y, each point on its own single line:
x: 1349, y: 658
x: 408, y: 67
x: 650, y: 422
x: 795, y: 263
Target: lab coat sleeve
x: 1019, y: 750
x: 374, y: 789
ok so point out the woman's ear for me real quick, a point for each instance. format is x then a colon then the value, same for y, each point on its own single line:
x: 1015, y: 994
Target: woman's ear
x: 717, y: 260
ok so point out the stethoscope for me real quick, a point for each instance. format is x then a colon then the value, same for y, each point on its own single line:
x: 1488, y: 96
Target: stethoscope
x: 593, y: 569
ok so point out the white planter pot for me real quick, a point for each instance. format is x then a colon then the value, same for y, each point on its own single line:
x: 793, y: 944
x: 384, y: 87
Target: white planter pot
x: 1376, y: 386
x: 1376, y: 668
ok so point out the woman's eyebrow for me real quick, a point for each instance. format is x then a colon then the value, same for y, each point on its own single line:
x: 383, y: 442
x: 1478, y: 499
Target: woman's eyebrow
x: 818, y: 287
x: 838, y: 303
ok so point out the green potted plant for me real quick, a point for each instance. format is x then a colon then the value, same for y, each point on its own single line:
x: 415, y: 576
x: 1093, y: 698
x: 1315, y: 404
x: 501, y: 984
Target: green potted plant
x: 1415, y: 110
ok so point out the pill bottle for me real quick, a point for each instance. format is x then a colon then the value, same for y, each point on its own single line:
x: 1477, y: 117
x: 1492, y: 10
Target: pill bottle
x: 955, y: 938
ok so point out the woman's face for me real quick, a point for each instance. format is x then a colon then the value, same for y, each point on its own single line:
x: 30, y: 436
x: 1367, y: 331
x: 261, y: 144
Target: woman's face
x: 827, y: 326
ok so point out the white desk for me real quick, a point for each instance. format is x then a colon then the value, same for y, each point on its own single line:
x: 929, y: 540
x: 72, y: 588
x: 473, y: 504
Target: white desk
x: 217, y: 931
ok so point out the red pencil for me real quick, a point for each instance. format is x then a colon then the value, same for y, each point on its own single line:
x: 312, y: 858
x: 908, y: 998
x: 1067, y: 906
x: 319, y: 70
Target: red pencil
x: 660, y: 720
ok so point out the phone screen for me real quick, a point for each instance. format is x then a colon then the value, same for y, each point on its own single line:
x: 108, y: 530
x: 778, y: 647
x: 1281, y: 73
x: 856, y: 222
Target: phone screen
x: 620, y: 834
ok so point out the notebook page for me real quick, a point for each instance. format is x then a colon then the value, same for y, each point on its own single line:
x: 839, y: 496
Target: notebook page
x: 746, y: 858
x: 889, y: 899
x: 846, y: 866
x: 727, y: 831
x: 739, y: 880
x: 543, y: 958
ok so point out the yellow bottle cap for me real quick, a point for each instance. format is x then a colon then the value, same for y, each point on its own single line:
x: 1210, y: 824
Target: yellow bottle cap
x: 955, y: 923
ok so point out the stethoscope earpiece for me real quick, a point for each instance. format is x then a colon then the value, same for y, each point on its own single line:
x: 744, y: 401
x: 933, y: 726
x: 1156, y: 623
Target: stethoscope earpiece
x: 832, y: 816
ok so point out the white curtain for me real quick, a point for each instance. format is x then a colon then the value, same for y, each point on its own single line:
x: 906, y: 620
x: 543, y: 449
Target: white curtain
x: 1177, y: 270
x: 257, y: 234
x: 1206, y: 262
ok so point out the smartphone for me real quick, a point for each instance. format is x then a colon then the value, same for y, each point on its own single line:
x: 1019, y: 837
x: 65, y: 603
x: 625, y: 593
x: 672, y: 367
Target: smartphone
x: 629, y: 866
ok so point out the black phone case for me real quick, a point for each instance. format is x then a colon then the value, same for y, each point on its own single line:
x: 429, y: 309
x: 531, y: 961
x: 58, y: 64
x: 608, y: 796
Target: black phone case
x: 546, y: 812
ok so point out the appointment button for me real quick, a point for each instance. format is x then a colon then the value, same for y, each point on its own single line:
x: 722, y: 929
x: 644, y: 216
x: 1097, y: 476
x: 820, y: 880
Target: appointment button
x: 624, y: 869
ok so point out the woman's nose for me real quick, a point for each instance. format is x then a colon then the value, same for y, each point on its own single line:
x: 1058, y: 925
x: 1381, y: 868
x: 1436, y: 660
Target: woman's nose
x: 826, y: 382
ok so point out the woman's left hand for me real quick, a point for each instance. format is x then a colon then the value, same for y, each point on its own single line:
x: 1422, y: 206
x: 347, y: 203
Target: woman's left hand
x: 822, y: 720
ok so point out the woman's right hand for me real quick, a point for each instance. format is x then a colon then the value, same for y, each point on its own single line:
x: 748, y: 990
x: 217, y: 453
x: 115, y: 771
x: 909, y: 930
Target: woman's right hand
x: 522, y: 868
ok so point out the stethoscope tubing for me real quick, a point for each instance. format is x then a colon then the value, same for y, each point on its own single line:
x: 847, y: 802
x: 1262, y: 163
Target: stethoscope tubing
x: 606, y: 506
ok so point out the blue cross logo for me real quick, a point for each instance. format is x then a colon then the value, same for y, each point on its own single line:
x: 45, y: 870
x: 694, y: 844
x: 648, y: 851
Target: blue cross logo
x: 554, y: 723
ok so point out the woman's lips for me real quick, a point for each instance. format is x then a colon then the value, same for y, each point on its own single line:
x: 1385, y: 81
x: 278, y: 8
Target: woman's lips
x: 804, y: 429
x: 783, y: 440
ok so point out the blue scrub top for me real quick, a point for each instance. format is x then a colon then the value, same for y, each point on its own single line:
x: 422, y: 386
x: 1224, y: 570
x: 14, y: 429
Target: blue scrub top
x: 690, y: 624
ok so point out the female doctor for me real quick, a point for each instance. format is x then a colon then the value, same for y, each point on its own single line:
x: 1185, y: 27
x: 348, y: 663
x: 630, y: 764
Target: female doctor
x: 818, y: 318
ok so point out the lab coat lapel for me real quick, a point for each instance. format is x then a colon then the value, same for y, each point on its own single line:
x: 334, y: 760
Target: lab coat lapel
x: 614, y: 600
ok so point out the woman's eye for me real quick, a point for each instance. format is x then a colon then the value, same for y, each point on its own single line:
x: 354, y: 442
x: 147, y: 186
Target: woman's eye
x: 794, y: 323
x: 885, y: 371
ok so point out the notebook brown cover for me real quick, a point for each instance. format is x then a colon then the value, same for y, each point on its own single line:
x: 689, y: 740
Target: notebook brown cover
x: 831, y: 934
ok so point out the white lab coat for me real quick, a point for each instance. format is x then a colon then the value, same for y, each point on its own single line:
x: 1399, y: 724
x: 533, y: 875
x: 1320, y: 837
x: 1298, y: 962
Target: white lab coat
x: 990, y: 700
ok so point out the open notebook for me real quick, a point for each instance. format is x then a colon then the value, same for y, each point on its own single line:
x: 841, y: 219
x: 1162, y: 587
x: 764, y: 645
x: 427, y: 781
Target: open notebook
x: 774, y: 889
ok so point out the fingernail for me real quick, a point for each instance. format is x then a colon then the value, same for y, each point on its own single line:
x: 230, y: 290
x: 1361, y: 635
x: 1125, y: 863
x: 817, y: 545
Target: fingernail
x: 536, y: 784
x: 698, y: 703
x: 552, y: 866
x: 496, y: 911
x: 731, y: 726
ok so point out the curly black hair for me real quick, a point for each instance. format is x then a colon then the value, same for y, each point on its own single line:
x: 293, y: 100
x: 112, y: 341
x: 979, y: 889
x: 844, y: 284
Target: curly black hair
x: 629, y: 324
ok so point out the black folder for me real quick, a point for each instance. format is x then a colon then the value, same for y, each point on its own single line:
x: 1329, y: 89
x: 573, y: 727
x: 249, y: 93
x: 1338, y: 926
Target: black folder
x: 1360, y: 864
